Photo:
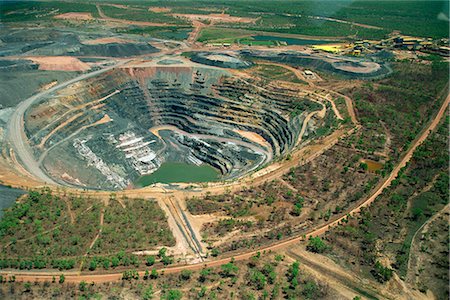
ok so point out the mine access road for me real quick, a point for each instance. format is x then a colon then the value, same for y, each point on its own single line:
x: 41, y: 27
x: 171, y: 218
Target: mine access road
x: 16, y: 131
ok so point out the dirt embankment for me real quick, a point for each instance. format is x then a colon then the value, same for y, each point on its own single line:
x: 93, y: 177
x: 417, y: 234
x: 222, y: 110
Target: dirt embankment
x: 75, y: 16
x: 60, y: 63
x: 107, y: 40
x: 128, y: 22
x: 216, y: 18
x: 157, y: 9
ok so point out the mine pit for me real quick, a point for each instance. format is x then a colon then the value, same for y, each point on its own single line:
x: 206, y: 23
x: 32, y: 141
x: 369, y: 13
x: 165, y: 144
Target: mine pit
x: 163, y: 122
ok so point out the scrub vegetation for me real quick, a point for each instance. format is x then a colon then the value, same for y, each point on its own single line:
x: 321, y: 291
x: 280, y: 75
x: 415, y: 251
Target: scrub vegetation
x: 54, y: 230
x: 417, y: 194
x: 396, y: 108
x: 261, y: 277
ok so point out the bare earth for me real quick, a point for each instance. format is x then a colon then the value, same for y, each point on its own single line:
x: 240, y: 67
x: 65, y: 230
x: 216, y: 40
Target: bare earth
x: 159, y: 9
x: 127, y: 22
x: 75, y: 16
x: 60, y: 63
x: 252, y: 136
x: 223, y: 18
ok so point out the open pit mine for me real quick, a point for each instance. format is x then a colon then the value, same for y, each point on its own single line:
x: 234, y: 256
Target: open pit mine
x: 117, y: 130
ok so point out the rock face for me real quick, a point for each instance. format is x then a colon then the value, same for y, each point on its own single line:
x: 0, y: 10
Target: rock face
x: 223, y: 60
x: 125, y: 123
x: 47, y: 42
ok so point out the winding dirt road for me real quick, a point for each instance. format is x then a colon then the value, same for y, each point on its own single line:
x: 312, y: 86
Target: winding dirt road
x: 16, y: 133
x: 98, y: 278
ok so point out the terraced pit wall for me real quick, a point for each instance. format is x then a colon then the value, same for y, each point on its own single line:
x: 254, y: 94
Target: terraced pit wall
x: 168, y: 113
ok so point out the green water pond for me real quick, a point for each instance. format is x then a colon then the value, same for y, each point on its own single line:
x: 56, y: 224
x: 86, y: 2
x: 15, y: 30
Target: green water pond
x: 171, y: 172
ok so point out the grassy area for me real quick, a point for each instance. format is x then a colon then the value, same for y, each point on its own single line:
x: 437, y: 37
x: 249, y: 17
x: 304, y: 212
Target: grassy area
x: 252, y: 42
x: 275, y: 73
x: 224, y: 35
x: 39, y: 231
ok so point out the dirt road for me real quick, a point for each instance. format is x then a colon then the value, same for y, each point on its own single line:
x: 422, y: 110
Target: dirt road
x: 411, y: 273
x: 16, y: 133
x: 193, y: 35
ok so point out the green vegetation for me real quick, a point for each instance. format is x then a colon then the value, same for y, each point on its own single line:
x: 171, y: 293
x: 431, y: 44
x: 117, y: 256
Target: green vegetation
x: 316, y: 245
x: 274, y: 72
x: 224, y: 35
x: 410, y: 17
x: 299, y: 107
x: 39, y: 11
x: 166, y: 32
x: 397, y: 106
x: 172, y: 295
x: 39, y: 232
x: 415, y: 195
x: 229, y: 270
x: 381, y: 273
x: 299, y: 17
x: 139, y: 224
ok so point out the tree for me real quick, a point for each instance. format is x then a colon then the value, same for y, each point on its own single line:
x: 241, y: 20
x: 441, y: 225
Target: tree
x: 269, y: 272
x: 129, y: 275
x: 148, y: 293
x: 115, y: 262
x: 310, y: 290
x: 363, y: 166
x: 202, y: 292
x: 297, y: 209
x: 150, y: 261
x: 229, y: 270
x: 82, y: 286
x: 173, y: 295
x: 316, y: 245
x: 27, y: 287
x: 154, y: 274
x: 417, y: 213
x: 162, y: 252
x: 146, y: 275
x: 106, y: 263
x: 279, y: 257
x: 382, y: 273
x: 185, y: 275
x: 293, y: 273
x: 204, y: 273
x: 215, y: 252
x: 93, y: 264
x: 257, y: 279
x: 167, y: 260
x: 275, y: 291
x: 62, y: 278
